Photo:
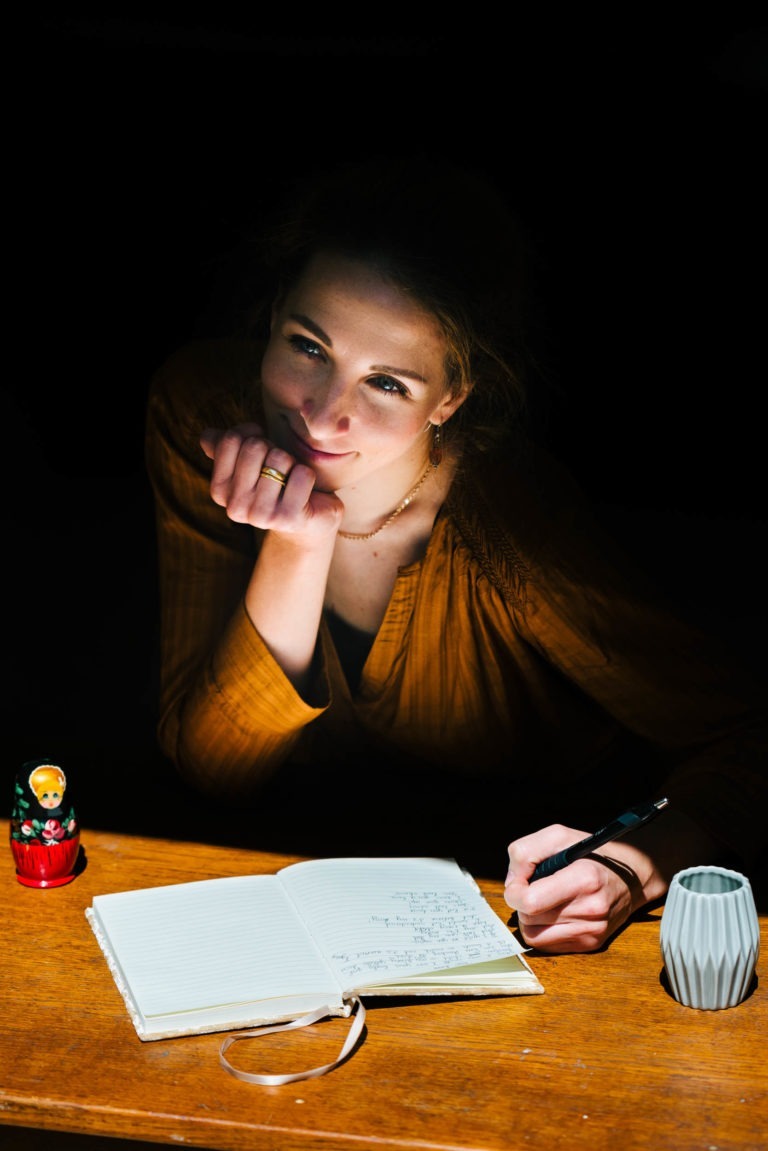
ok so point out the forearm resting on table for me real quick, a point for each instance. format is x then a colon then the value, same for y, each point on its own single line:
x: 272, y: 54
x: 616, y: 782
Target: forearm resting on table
x: 654, y: 853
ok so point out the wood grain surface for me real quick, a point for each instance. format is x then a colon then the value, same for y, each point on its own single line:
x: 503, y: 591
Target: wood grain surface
x: 604, y: 1058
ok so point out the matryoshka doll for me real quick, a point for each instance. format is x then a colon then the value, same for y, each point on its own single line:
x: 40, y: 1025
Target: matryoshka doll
x: 45, y: 835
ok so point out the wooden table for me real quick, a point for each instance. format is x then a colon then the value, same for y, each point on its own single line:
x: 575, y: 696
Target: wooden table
x: 604, y: 1059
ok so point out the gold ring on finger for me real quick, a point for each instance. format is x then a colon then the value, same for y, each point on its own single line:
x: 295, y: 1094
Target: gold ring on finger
x: 274, y: 474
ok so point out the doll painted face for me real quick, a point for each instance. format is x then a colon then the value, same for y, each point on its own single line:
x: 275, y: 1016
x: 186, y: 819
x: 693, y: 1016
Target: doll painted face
x: 49, y: 784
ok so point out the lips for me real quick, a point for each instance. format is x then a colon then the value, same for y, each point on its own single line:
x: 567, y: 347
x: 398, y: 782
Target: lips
x: 307, y: 452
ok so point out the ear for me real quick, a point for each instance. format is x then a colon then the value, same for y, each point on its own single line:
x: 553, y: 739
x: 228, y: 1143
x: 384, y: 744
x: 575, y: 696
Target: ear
x: 448, y: 406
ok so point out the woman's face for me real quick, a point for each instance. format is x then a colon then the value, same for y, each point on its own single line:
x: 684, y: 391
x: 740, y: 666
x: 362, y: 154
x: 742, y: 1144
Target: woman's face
x: 353, y: 373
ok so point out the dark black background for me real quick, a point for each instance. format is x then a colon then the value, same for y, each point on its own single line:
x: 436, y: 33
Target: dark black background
x: 137, y: 152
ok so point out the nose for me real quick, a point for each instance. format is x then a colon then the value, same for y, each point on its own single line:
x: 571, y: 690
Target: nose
x: 327, y: 411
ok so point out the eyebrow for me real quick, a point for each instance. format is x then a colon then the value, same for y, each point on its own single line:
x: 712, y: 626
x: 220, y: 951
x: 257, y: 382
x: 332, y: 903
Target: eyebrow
x: 385, y: 369
x: 314, y: 328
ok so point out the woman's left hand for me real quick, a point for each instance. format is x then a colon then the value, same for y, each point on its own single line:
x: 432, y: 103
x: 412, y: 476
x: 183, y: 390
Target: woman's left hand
x: 580, y: 907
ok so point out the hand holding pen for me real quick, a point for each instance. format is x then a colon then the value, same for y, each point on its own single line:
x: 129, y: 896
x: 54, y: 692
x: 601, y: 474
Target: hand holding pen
x: 578, y: 909
x: 634, y: 817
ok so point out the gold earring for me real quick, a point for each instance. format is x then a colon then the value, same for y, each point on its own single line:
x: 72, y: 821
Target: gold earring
x: 436, y: 450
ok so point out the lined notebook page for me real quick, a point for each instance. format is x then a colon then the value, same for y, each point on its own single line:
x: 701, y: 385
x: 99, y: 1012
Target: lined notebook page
x: 380, y: 919
x: 211, y: 943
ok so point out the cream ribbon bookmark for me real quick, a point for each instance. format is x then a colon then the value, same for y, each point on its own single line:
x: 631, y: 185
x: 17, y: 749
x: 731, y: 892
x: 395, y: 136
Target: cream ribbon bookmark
x: 354, y: 1033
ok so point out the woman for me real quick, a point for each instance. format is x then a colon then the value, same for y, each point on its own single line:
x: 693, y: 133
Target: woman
x: 387, y: 613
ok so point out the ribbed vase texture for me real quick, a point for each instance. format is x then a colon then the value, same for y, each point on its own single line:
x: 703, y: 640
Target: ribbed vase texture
x: 710, y: 937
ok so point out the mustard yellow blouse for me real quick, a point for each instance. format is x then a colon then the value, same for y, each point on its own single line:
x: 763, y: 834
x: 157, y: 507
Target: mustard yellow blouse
x: 520, y: 665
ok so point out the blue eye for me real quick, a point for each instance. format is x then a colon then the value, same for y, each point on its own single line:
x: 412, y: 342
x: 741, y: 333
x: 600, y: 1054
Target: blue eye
x: 388, y: 385
x: 304, y: 346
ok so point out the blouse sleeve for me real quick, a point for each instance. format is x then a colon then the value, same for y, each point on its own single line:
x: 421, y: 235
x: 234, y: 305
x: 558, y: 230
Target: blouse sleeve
x: 609, y: 628
x: 227, y: 713
x: 673, y: 687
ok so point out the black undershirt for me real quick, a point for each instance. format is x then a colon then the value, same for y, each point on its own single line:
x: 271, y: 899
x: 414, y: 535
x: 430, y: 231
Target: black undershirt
x: 352, y: 646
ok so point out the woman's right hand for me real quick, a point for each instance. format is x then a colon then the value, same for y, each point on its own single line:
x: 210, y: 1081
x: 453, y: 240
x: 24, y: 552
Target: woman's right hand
x: 295, y: 508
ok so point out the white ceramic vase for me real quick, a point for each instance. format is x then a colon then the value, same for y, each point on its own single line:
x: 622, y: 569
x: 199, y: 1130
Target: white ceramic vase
x: 710, y: 937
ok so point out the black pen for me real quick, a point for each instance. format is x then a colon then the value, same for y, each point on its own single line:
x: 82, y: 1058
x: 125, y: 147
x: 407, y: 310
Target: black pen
x: 635, y: 817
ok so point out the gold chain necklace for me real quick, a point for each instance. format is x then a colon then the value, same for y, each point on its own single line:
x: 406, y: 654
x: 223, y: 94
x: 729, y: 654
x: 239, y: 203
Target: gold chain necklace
x: 392, y: 515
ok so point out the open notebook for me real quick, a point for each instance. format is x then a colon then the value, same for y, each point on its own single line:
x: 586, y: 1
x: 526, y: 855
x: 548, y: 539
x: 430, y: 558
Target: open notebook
x: 236, y: 952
